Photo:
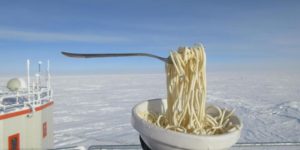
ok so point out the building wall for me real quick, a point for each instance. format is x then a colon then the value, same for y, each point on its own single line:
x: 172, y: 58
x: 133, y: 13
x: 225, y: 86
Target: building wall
x: 47, y: 116
x: 30, y: 128
x: 1, y: 135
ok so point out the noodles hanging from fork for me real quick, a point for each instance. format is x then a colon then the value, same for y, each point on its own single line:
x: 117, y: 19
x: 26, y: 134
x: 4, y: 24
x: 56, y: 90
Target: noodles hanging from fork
x: 186, y: 86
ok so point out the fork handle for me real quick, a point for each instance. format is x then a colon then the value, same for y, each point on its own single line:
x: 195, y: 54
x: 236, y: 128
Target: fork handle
x: 81, y: 55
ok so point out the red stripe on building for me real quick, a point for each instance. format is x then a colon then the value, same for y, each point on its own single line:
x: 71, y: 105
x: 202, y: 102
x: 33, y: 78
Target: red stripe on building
x: 26, y: 111
x: 44, y: 106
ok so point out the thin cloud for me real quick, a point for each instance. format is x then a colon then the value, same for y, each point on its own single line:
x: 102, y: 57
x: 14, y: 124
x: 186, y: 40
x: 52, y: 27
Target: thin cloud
x: 57, y: 37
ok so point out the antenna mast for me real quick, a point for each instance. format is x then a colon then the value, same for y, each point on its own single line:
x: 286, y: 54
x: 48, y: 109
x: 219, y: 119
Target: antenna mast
x: 39, y: 73
x: 28, y: 76
x: 48, y: 75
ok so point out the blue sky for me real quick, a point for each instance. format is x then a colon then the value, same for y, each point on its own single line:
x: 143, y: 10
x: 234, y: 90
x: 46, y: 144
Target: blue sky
x: 238, y: 35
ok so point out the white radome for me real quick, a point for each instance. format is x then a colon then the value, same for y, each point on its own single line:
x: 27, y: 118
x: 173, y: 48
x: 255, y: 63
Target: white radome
x: 16, y: 84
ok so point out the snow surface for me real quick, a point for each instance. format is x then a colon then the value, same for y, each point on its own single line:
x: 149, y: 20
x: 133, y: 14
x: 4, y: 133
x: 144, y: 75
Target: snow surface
x: 96, y: 109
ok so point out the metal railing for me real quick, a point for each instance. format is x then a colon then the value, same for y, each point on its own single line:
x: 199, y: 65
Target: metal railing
x: 238, y: 146
x: 34, y: 98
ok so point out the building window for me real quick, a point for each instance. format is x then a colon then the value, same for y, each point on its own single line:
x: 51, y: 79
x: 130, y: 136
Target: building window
x: 14, y: 142
x: 44, y: 129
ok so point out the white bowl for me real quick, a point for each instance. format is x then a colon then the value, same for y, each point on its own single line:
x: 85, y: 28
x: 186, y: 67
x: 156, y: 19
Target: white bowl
x: 158, y: 138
